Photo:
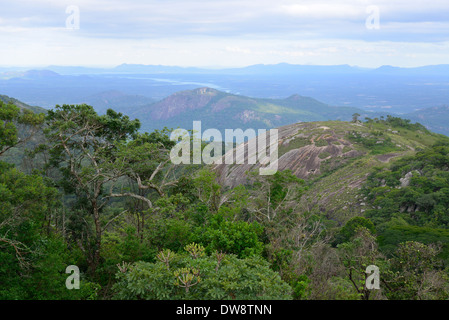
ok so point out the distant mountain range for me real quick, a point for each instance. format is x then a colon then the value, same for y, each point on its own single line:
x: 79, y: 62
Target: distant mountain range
x: 387, y: 88
x: 221, y: 110
x: 280, y: 68
x: 254, y: 96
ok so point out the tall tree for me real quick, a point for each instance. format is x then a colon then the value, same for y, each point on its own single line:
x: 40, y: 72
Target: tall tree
x: 355, y: 117
x: 146, y: 162
x: 83, y: 145
x: 356, y: 255
x: 24, y: 199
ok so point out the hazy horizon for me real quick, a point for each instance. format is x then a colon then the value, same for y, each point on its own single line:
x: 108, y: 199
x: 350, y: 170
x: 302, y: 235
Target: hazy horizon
x: 215, y: 67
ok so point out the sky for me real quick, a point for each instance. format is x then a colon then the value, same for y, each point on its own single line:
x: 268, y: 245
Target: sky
x: 224, y: 33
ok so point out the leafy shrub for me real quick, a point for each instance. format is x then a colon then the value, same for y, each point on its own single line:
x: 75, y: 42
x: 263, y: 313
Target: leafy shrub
x: 238, y: 237
x: 350, y: 228
x: 324, y: 155
x: 220, y: 277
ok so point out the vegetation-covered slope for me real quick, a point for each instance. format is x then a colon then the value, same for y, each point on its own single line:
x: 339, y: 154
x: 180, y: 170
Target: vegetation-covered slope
x: 220, y: 110
x: 388, y: 170
x: 107, y: 199
x: 20, y: 127
x: 21, y: 104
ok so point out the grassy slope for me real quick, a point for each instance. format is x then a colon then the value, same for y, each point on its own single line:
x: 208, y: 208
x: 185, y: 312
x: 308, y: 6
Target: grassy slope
x: 336, y: 192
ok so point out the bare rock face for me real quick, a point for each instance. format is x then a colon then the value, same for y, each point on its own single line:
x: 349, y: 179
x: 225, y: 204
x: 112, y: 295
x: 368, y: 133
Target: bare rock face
x: 302, y: 148
x: 405, y: 182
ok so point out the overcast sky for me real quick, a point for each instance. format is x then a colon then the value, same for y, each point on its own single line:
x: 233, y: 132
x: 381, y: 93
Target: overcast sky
x: 224, y: 33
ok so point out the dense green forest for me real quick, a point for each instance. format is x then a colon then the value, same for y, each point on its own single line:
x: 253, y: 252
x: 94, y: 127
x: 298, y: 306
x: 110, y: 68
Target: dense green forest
x: 79, y: 188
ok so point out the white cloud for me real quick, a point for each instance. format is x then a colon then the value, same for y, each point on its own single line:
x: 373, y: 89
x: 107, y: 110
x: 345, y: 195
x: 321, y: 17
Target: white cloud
x: 224, y: 32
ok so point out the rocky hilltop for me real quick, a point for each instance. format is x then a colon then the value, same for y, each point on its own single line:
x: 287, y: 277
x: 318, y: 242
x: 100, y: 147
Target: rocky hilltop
x: 335, y: 158
x: 222, y: 110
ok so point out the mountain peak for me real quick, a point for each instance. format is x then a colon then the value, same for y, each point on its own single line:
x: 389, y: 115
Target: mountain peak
x: 205, y: 90
x: 294, y: 97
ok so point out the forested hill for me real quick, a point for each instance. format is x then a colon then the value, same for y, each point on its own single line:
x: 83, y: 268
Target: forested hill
x: 221, y: 110
x: 106, y: 198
